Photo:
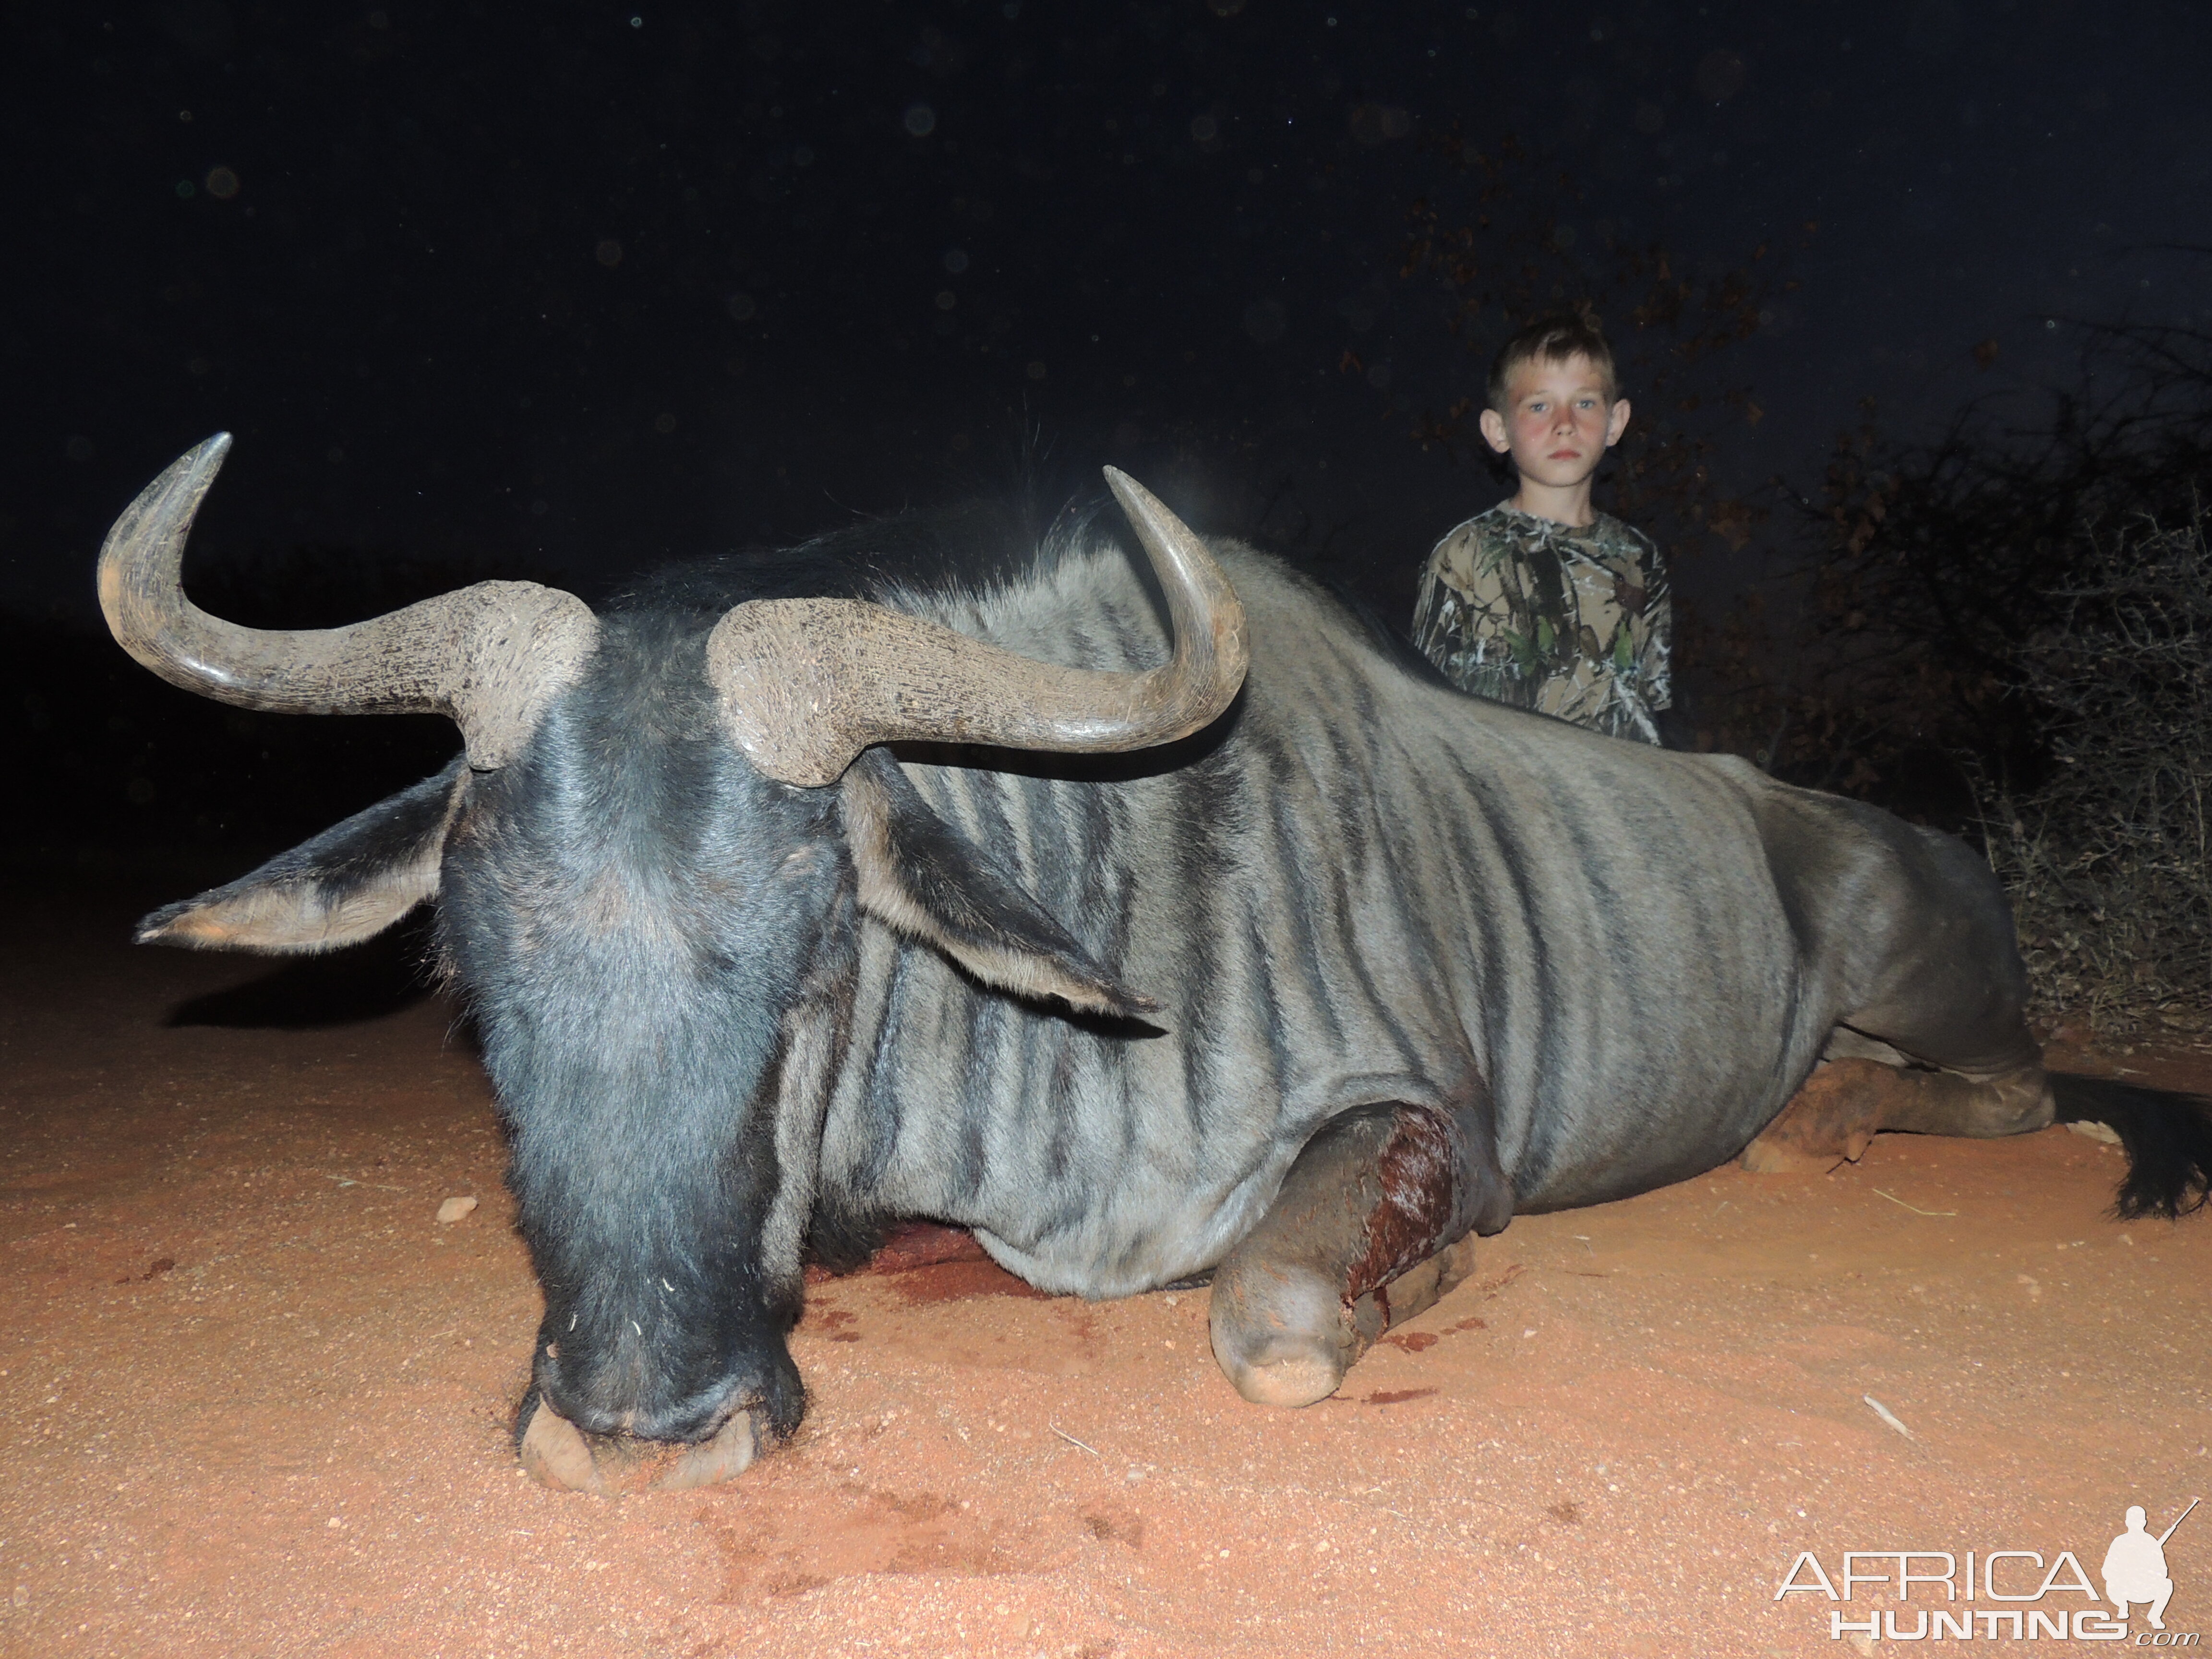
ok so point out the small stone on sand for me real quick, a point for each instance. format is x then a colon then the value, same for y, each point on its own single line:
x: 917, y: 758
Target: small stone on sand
x: 2103, y: 1133
x: 454, y: 1208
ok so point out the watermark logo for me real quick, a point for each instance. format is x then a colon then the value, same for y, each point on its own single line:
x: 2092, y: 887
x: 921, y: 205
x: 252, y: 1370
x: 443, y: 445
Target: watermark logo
x: 2019, y: 1583
x: 2135, y: 1567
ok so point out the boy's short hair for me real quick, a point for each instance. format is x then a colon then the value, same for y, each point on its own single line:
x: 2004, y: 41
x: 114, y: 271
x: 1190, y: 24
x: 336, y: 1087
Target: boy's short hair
x: 1558, y: 338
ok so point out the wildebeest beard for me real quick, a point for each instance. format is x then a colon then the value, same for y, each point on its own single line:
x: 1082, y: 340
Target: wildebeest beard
x: 644, y: 927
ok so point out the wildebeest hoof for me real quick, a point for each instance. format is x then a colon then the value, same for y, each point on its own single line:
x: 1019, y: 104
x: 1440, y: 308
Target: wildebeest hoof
x: 1832, y: 1120
x: 1414, y: 1291
x: 1777, y: 1157
x: 1282, y: 1337
x: 557, y: 1454
x: 1293, y: 1380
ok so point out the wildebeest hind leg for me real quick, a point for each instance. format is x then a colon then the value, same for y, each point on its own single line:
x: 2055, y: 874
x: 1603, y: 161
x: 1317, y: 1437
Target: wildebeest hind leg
x: 1981, y: 1077
x: 1847, y: 1100
x: 1938, y: 1043
x: 1371, y: 1226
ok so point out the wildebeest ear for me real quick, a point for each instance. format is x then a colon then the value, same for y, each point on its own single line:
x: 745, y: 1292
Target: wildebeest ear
x: 926, y: 879
x: 352, y: 881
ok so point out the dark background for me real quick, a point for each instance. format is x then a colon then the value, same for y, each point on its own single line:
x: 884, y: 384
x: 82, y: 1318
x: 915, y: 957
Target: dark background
x: 557, y: 291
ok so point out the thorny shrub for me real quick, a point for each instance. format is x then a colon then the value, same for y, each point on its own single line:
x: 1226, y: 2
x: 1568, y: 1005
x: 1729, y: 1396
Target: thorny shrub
x: 2109, y: 859
x: 2008, y: 631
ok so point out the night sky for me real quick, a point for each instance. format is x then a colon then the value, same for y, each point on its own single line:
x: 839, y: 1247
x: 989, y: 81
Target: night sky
x: 559, y: 291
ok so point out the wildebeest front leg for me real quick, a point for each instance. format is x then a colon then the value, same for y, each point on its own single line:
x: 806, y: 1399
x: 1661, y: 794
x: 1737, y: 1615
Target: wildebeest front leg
x: 1373, y: 1223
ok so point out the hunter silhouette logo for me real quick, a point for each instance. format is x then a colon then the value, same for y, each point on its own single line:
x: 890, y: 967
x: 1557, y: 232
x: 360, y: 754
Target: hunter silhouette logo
x: 2002, y: 1594
x: 2135, y: 1567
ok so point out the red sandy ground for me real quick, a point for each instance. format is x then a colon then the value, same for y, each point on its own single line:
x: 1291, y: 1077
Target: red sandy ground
x: 256, y: 1397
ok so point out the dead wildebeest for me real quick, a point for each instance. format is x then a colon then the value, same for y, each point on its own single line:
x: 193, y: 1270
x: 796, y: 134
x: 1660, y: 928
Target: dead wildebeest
x: 796, y: 895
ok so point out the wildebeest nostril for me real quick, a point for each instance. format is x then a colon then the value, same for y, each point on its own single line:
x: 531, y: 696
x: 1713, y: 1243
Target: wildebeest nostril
x: 557, y: 1453
x: 602, y: 1403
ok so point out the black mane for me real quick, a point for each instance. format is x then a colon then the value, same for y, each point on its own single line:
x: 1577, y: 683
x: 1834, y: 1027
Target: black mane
x: 964, y: 549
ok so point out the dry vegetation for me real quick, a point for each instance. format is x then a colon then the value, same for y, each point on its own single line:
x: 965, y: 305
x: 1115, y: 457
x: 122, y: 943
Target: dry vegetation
x: 2106, y: 857
x: 2008, y: 631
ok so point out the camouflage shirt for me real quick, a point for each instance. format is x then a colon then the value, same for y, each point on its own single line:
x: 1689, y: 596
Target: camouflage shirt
x: 1576, y: 623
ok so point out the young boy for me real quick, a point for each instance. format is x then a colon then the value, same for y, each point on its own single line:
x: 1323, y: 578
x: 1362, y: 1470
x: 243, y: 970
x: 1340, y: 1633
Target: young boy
x: 1543, y: 602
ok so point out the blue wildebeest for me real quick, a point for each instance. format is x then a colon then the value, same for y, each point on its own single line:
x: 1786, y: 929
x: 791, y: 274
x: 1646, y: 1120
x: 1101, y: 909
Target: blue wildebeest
x: 904, y: 876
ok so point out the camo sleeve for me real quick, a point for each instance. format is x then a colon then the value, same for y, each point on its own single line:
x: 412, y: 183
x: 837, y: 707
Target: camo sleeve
x: 1475, y: 620
x: 1654, y: 679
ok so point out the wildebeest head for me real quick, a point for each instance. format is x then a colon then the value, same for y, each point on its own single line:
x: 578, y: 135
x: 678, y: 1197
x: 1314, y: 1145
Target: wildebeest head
x: 649, y: 866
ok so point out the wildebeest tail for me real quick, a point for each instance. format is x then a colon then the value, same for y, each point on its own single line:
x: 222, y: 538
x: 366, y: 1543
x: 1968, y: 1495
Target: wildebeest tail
x: 2167, y: 1136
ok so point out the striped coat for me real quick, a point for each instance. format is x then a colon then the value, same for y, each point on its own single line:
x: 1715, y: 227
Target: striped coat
x: 1366, y: 888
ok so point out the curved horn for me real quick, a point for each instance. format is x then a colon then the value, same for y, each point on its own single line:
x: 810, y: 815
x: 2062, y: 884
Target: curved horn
x: 490, y: 656
x: 807, y: 684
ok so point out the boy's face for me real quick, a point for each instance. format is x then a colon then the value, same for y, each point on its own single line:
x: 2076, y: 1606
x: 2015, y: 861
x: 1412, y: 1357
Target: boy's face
x: 1559, y: 421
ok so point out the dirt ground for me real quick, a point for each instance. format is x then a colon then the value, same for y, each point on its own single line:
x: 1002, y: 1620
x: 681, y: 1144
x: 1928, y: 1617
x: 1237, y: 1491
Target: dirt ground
x: 256, y: 1396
